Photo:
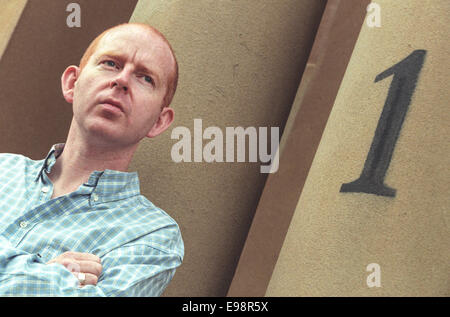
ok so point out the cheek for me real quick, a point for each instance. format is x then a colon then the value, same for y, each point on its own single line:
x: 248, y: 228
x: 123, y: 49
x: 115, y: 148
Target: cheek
x: 83, y: 84
x: 146, y: 115
x: 84, y: 90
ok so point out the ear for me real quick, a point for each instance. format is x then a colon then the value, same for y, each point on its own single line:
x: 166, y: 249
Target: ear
x: 68, y: 79
x: 165, y: 119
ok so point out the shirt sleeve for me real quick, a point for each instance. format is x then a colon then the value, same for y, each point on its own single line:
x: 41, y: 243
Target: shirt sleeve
x: 130, y: 270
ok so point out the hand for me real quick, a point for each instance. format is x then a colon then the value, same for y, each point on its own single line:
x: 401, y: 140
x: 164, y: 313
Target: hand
x: 77, y: 262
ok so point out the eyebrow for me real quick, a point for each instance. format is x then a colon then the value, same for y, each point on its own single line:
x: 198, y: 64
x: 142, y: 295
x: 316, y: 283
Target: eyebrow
x: 121, y: 57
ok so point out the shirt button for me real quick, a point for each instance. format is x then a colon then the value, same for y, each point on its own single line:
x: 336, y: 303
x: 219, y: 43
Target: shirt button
x: 95, y: 197
x: 45, y: 189
x: 23, y: 224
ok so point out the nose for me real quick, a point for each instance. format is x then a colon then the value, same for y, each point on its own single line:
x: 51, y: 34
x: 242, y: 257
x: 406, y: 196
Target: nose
x: 120, y: 86
x: 121, y: 80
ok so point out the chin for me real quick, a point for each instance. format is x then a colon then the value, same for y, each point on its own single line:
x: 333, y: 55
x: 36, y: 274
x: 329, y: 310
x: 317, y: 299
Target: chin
x: 106, y: 132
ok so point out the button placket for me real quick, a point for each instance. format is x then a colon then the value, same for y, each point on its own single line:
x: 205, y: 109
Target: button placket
x: 45, y: 193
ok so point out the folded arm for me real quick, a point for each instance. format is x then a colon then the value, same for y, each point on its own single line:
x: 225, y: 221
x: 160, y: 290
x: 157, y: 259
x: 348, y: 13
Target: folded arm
x: 131, y: 270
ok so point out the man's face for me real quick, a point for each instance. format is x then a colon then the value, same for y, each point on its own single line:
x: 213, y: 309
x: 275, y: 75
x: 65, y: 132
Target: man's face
x: 119, y: 93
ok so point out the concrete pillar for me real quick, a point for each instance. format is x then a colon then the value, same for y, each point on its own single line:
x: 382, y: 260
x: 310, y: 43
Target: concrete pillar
x: 240, y: 65
x: 331, y: 52
x: 373, y: 217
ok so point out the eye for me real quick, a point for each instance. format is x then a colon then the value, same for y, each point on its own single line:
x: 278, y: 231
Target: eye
x: 148, y: 79
x: 110, y: 63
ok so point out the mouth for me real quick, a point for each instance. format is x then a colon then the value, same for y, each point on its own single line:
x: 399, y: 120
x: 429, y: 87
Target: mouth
x: 114, y: 103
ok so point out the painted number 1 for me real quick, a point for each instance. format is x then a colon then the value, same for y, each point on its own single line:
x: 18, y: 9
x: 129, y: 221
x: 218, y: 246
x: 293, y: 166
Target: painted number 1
x: 402, y: 87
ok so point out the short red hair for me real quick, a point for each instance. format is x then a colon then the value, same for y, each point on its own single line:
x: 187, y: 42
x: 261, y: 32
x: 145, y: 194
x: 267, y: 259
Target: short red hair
x: 173, y: 77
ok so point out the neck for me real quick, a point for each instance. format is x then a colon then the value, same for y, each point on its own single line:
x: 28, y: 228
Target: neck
x: 80, y: 158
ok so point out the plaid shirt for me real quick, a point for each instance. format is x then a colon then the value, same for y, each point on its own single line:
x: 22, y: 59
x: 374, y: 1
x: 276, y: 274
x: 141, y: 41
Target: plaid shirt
x: 140, y: 246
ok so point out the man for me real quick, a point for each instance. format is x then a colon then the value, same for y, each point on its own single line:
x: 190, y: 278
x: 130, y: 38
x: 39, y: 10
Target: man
x: 75, y: 224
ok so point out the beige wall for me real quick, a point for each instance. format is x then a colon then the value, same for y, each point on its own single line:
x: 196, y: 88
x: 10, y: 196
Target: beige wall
x: 333, y: 46
x: 240, y: 65
x: 334, y: 235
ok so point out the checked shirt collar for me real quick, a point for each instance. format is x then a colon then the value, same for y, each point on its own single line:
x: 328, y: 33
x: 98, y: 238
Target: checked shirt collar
x: 109, y: 185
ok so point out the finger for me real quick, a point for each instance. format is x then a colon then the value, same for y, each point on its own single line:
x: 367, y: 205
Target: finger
x: 82, y: 256
x: 89, y: 279
x: 90, y: 267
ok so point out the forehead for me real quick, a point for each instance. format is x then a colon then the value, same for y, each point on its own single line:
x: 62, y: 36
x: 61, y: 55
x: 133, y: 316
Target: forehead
x: 139, y: 45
